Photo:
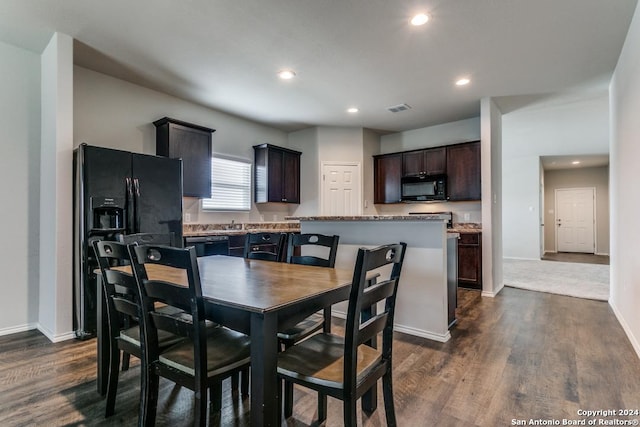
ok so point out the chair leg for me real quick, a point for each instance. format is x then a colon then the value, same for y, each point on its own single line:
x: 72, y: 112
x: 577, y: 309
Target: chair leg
x: 244, y: 385
x: 215, y: 395
x: 235, y: 384
x: 387, y: 391
x: 150, y: 397
x: 281, y: 383
x: 350, y: 419
x: 288, y: 399
x: 322, y: 407
x: 200, y: 406
x: 125, y: 360
x: 112, y: 385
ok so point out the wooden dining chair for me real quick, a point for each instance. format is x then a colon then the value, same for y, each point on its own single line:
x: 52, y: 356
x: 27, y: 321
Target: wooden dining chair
x: 123, y: 314
x: 347, y: 367
x: 324, y: 249
x: 167, y: 239
x: 143, y: 239
x: 307, y: 249
x: 265, y: 246
x: 207, y: 356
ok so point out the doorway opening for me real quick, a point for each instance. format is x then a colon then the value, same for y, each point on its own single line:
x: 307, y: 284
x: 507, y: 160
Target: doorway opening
x: 571, y: 261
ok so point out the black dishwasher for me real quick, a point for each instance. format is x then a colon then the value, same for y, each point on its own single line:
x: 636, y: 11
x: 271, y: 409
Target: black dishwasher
x: 208, y: 245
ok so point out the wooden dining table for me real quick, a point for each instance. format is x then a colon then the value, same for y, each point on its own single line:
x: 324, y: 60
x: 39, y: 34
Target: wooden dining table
x: 257, y: 298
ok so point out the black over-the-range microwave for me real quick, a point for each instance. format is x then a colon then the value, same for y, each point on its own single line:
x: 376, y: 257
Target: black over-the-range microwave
x: 424, y: 188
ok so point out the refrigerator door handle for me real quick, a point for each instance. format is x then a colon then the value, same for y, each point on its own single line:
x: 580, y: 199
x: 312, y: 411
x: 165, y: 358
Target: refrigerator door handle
x: 130, y: 206
x: 136, y: 186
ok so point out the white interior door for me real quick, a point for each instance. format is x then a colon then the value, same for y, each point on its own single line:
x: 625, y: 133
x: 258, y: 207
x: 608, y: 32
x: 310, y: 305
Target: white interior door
x: 575, y: 220
x: 341, y: 189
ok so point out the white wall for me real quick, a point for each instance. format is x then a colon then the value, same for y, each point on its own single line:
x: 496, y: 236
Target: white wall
x: 432, y: 136
x: 625, y: 198
x: 597, y: 177
x: 492, y: 197
x: 326, y: 144
x: 561, y: 126
x: 307, y: 141
x: 370, y: 147
x: 55, y: 316
x: 113, y: 113
x: 19, y: 187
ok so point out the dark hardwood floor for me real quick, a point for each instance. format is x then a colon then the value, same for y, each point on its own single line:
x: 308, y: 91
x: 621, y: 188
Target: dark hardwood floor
x: 520, y: 355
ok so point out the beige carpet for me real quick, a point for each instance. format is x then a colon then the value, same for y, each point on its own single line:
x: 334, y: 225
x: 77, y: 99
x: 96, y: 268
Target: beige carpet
x: 589, y: 281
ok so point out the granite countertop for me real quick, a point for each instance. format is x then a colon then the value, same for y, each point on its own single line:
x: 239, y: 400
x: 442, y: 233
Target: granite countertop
x: 465, y: 227
x: 191, y: 230
x: 292, y: 225
x: 424, y: 217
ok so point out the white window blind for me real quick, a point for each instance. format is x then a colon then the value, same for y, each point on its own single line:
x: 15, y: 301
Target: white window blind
x: 230, y: 185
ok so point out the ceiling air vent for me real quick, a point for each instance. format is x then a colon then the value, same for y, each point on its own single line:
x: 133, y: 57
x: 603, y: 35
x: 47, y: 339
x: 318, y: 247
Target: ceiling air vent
x: 398, y: 108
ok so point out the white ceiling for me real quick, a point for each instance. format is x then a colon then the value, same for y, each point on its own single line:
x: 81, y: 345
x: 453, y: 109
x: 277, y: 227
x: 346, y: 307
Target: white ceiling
x: 225, y: 54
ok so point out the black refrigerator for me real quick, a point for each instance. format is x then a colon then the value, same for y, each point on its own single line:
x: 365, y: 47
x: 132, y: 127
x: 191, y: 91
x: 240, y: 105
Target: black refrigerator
x: 117, y: 192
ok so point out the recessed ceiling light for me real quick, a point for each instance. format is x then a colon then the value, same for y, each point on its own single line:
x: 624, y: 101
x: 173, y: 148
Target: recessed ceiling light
x: 463, y: 81
x: 286, y: 74
x: 352, y: 110
x: 419, y: 19
x: 575, y: 162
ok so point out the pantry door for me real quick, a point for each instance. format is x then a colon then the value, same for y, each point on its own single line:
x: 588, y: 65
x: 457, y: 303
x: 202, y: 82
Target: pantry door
x: 341, y: 189
x: 575, y: 220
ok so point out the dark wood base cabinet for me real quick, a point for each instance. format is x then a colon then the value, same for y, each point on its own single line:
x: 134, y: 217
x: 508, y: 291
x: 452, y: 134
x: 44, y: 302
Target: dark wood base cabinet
x: 470, y: 260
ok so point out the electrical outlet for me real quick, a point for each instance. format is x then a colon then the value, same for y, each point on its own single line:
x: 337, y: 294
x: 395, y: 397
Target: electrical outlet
x: 467, y: 216
x: 187, y: 217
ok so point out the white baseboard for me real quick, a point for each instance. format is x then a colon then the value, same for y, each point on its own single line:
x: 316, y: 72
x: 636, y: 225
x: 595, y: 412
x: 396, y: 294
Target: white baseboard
x: 521, y: 258
x: 53, y: 337
x: 602, y: 253
x: 492, y: 294
x: 422, y: 333
x: 626, y: 328
x: 406, y: 329
x: 16, y: 329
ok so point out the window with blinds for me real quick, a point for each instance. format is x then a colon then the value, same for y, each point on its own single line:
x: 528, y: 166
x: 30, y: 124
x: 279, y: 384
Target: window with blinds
x: 230, y: 185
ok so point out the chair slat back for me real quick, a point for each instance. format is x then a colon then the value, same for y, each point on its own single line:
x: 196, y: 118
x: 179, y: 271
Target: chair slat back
x: 362, y: 297
x: 191, y: 323
x: 120, y: 289
x: 311, y: 240
x: 253, y: 240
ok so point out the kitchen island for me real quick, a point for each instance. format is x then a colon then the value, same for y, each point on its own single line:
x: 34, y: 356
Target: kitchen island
x: 423, y: 300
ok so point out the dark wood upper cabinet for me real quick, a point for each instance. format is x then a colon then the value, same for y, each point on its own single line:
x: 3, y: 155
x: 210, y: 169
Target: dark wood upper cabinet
x: 192, y: 144
x: 387, y: 171
x: 463, y: 171
x: 276, y: 174
x: 432, y: 161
